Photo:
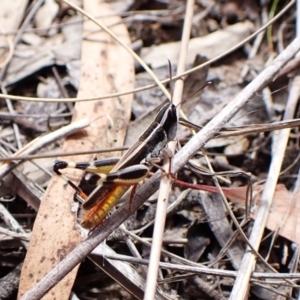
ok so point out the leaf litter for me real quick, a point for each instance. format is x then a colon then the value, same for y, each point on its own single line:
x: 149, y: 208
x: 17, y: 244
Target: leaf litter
x: 198, y: 228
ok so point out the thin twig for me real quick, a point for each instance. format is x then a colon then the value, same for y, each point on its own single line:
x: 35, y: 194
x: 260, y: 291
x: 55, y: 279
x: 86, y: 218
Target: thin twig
x: 127, y: 48
x: 51, y: 100
x: 60, y: 154
x: 12, y: 223
x: 279, y: 145
x: 165, y: 185
x: 180, y: 159
x: 40, y: 142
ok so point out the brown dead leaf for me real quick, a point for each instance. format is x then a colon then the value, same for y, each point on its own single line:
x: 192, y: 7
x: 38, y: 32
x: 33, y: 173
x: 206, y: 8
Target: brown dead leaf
x: 105, y: 67
x: 284, y: 213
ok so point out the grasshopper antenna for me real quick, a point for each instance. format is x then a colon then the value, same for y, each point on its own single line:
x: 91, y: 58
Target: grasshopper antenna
x: 197, y: 91
x: 194, y: 93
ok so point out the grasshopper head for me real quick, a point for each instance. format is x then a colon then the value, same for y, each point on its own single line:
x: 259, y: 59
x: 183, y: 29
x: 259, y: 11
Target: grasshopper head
x: 167, y: 117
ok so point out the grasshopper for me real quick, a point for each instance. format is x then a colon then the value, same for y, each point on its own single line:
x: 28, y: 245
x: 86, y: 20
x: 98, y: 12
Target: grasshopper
x: 115, y: 176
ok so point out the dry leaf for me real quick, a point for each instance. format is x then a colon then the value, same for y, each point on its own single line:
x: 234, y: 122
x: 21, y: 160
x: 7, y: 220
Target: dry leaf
x: 11, y: 15
x: 55, y: 233
x: 237, y: 148
x: 61, y: 48
x: 284, y: 213
x: 210, y: 45
x: 46, y: 14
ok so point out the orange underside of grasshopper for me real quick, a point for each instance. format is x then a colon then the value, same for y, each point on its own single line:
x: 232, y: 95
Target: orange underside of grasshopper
x: 97, y: 214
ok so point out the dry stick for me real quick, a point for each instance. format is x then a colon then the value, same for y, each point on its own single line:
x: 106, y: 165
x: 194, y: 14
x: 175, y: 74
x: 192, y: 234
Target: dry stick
x: 165, y: 186
x: 127, y: 48
x: 4, y: 68
x: 14, y: 235
x: 33, y: 99
x: 207, y: 271
x: 204, y: 270
x: 133, y: 250
x: 40, y: 142
x: 169, y: 209
x: 146, y: 190
x: 266, y: 92
x: 184, y: 262
x: 172, y: 257
x: 279, y: 145
x: 12, y: 223
x: 59, y: 154
x: 17, y: 38
x: 293, y: 264
x: 124, y: 273
x: 158, y: 231
x: 234, y: 131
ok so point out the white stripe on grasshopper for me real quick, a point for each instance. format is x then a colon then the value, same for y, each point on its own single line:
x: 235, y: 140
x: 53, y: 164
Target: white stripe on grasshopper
x: 72, y: 164
x: 126, y: 176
